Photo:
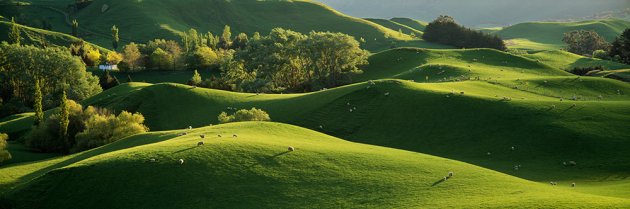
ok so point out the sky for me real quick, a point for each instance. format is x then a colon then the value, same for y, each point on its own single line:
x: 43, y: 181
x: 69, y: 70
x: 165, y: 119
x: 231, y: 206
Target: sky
x: 478, y: 13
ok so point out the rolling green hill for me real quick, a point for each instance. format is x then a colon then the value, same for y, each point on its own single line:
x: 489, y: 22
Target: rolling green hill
x: 141, y: 21
x: 255, y: 170
x: 566, y: 60
x: 40, y: 37
x: 396, y: 26
x: 415, y: 24
x: 548, y: 35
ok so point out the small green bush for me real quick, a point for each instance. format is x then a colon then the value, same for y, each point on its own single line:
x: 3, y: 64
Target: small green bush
x: 244, y: 115
x: 4, y: 154
x: 102, y: 129
x: 601, y: 54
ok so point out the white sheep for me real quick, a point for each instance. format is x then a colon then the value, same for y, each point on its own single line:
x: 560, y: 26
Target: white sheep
x: 291, y: 149
x: 200, y: 143
x: 450, y: 174
x: 573, y: 184
x: 572, y: 163
x: 513, y: 148
x: 321, y: 126
x: 189, y: 127
x: 386, y: 93
x: 181, y: 161
x: 350, y: 110
x: 489, y: 153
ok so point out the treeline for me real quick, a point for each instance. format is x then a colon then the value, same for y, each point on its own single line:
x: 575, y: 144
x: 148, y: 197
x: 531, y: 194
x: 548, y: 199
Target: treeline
x: 445, y: 30
x: 282, y: 61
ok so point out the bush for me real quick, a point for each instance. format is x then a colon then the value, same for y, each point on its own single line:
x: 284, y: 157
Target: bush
x: 4, y: 153
x: 244, y: 115
x: 45, y: 137
x: 102, y: 128
x: 445, y: 30
x: 601, y: 54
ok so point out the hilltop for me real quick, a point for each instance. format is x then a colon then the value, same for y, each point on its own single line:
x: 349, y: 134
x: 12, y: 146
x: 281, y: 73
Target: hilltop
x: 36, y: 36
x: 548, y: 35
x: 256, y: 170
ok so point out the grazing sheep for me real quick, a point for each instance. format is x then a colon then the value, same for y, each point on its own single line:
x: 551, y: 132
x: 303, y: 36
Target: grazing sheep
x: 189, y: 127
x: 348, y: 103
x: 572, y: 163
x: 219, y: 135
x: 202, y: 136
x: 386, y: 93
x: 185, y: 133
x: 564, y: 163
x: 321, y: 127
x: 573, y: 184
x: 200, y: 143
x: 153, y: 160
x: 489, y: 153
x: 291, y: 149
x: 234, y: 136
x: 450, y: 174
x: 445, y: 178
x: 350, y: 110
x: 513, y: 148
x: 181, y: 161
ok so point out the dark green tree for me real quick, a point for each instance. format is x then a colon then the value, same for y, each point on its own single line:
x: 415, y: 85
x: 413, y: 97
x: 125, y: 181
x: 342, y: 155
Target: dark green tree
x: 241, y: 41
x: 583, y: 42
x: 75, y: 28
x: 115, y: 38
x: 620, y: 49
x: 64, y: 121
x: 39, y: 112
x: 14, y: 33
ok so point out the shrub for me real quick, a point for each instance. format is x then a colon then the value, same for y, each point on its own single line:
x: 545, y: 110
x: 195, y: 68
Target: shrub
x: 4, y: 153
x: 584, y: 42
x: 601, y: 54
x: 102, y: 128
x: 244, y: 115
x: 45, y: 137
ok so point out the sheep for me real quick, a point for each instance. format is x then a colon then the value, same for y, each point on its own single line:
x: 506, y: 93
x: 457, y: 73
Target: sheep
x: 350, y: 110
x: 202, y: 136
x: 489, y: 153
x: 386, y: 93
x: 219, y: 135
x: 291, y: 149
x: 348, y: 104
x: 445, y: 178
x: 573, y: 184
x: 153, y: 160
x: 181, y: 161
x: 354, y: 108
x: 564, y: 163
x: 321, y: 126
x: 462, y: 93
x: 513, y: 148
x: 185, y: 133
x: 200, y: 143
x: 572, y: 163
x: 234, y: 136
x: 450, y: 174
x: 553, y: 183
x: 189, y: 127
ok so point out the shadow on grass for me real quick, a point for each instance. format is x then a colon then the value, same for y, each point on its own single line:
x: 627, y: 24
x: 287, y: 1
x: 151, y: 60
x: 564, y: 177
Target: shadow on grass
x: 438, y: 182
x: 184, y: 150
x: 267, y: 160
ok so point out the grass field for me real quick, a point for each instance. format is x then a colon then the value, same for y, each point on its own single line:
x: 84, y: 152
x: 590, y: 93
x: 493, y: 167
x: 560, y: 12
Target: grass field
x: 233, y: 172
x: 396, y: 26
x: 567, y: 61
x: 38, y: 37
x: 415, y: 24
x: 548, y: 35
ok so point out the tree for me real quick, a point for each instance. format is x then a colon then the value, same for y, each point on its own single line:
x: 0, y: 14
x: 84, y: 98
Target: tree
x: 64, y: 120
x: 196, y: 79
x: 14, y: 33
x: 620, y: 49
x: 129, y: 79
x: 240, y: 42
x: 131, y: 55
x: 244, y: 115
x: 107, y: 81
x: 75, y: 28
x: 102, y: 127
x: 115, y: 38
x: 204, y: 58
x: 92, y: 56
x: 445, y: 30
x: 161, y: 59
x: 39, y: 112
x: 4, y: 153
x: 113, y: 58
x: 584, y: 42
x: 226, y: 38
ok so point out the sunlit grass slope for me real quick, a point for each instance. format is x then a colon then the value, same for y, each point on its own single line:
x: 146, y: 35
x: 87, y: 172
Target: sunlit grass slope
x: 256, y: 170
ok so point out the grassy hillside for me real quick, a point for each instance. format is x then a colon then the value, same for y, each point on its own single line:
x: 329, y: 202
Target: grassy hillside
x: 566, y: 60
x: 415, y: 24
x: 141, y: 21
x: 396, y: 26
x: 548, y: 35
x: 255, y: 170
x: 448, y: 65
x: 39, y: 37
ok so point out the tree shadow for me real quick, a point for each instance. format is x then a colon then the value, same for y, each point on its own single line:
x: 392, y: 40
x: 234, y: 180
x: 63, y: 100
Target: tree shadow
x: 184, y: 150
x: 267, y: 160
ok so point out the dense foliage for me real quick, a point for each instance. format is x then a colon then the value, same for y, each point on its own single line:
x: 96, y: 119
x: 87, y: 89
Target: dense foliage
x: 4, y: 153
x: 55, y: 69
x: 445, y: 30
x: 85, y: 129
x: 583, y: 42
x: 620, y: 49
x: 244, y: 115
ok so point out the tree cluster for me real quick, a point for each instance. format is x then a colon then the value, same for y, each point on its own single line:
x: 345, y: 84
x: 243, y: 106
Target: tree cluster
x: 244, y: 115
x: 73, y: 128
x: 620, y: 48
x: 583, y: 42
x: 445, y: 30
x: 53, y: 69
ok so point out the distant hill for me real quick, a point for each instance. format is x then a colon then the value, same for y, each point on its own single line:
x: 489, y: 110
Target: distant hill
x: 39, y: 37
x: 415, y: 24
x: 396, y: 26
x: 548, y: 35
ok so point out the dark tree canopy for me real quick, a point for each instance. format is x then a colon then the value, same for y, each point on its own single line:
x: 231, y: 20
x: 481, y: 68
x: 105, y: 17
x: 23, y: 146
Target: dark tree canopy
x: 620, y: 49
x: 445, y: 30
x: 584, y: 42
